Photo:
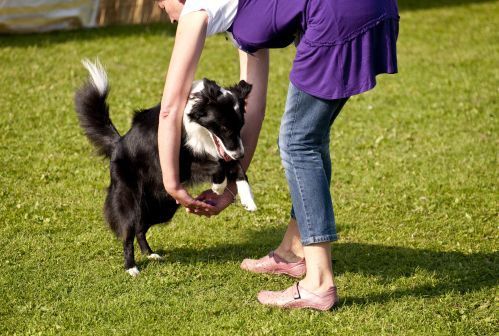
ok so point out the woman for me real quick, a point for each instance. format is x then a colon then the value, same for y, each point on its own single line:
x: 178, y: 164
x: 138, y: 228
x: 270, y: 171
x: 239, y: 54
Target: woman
x: 342, y: 45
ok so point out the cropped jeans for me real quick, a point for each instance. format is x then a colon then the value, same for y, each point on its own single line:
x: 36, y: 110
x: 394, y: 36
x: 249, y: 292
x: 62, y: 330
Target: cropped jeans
x: 304, y: 149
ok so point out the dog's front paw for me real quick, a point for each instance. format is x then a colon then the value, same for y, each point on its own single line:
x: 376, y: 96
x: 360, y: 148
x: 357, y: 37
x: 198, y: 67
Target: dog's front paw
x: 219, y: 188
x: 246, y: 196
x: 154, y: 256
x: 249, y: 205
x: 134, y: 271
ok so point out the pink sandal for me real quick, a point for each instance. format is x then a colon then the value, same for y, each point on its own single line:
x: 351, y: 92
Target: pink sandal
x: 298, y: 297
x: 274, y: 264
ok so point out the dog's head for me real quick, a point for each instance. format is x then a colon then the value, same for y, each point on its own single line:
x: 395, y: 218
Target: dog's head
x: 221, y: 112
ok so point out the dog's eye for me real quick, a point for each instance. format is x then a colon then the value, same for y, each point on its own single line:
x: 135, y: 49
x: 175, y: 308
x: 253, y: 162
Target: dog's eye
x: 223, y: 129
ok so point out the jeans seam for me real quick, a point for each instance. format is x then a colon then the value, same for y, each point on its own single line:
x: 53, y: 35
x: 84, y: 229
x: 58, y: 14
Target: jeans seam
x: 302, y: 196
x: 298, y: 182
x: 297, y: 179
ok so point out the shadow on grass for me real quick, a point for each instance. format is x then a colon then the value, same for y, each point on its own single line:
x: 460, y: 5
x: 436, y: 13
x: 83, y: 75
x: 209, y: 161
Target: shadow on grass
x: 168, y: 29
x: 451, y: 271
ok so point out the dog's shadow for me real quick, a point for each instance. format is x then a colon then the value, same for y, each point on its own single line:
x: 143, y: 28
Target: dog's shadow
x: 450, y: 271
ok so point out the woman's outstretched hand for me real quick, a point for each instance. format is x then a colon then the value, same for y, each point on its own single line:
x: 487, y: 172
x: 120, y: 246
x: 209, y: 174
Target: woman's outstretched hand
x: 192, y: 205
x: 217, y: 202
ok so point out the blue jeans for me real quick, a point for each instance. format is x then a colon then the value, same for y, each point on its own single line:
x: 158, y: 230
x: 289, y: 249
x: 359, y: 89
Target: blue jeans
x: 304, y: 148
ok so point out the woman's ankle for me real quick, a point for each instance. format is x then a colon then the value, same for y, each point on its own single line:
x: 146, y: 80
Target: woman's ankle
x: 288, y: 254
x: 317, y: 286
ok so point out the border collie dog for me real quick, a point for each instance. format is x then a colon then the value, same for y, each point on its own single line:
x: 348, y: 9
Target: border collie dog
x: 210, y: 149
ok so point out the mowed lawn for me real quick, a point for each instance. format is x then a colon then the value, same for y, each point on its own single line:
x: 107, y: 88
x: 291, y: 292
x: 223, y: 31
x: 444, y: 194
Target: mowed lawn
x: 415, y: 177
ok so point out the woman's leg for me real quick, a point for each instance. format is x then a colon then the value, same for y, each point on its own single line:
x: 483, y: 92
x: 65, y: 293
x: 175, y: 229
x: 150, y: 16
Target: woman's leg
x: 291, y: 248
x: 319, y: 275
x: 318, y: 258
x: 304, y: 147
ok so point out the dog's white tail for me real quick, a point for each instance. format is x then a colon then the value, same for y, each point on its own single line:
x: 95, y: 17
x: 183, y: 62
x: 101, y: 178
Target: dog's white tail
x: 98, y: 75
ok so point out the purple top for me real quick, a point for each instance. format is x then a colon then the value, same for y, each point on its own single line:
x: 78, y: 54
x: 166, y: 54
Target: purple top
x: 344, y: 43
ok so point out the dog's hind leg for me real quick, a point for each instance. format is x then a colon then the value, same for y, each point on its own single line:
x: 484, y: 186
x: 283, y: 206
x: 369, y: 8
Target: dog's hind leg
x: 144, y: 245
x: 128, y: 252
x: 154, y: 209
x: 129, y: 220
x: 123, y: 214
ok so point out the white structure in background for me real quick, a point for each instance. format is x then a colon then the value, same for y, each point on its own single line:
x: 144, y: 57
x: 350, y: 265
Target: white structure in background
x: 46, y: 15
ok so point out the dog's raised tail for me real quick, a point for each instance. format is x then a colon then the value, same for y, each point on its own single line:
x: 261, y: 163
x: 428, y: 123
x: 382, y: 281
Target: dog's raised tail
x: 93, y: 111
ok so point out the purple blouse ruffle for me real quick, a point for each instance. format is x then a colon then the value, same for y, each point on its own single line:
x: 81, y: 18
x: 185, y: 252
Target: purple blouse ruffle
x: 344, y: 43
x: 341, y: 70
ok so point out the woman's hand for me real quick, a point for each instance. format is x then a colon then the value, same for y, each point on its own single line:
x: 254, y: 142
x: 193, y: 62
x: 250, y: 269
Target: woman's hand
x: 191, y: 205
x: 217, y: 202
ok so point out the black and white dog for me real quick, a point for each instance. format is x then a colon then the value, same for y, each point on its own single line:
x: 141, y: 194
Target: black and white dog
x: 211, y: 147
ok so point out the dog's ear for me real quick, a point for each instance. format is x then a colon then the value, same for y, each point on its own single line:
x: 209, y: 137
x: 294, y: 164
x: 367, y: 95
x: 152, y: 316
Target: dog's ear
x: 208, y: 95
x: 242, y: 89
x: 211, y: 90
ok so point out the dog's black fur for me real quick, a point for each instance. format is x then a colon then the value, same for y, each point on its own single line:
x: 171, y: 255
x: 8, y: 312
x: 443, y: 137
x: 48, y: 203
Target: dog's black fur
x: 136, y: 197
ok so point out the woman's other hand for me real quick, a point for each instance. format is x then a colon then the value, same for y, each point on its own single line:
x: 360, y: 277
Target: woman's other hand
x: 217, y: 202
x: 192, y: 205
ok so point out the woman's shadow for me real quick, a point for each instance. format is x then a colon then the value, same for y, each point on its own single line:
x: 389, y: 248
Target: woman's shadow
x: 449, y: 271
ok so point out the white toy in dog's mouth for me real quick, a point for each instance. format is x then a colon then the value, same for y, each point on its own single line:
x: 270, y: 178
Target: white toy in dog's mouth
x: 220, y: 148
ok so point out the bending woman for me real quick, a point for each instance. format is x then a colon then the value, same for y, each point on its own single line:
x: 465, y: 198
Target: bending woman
x: 341, y: 47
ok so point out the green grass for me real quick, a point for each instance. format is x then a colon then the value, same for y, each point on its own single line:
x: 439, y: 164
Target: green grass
x: 414, y: 184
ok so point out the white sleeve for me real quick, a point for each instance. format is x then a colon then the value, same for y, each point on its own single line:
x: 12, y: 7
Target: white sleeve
x: 221, y: 13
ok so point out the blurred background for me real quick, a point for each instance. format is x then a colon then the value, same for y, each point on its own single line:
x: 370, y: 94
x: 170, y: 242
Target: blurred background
x: 21, y: 16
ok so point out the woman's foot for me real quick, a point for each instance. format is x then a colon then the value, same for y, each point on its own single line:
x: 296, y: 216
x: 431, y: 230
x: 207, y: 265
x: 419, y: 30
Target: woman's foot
x: 298, y: 297
x: 274, y: 264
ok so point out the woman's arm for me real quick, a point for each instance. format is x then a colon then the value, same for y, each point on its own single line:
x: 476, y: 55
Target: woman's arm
x: 189, y: 42
x: 254, y: 69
